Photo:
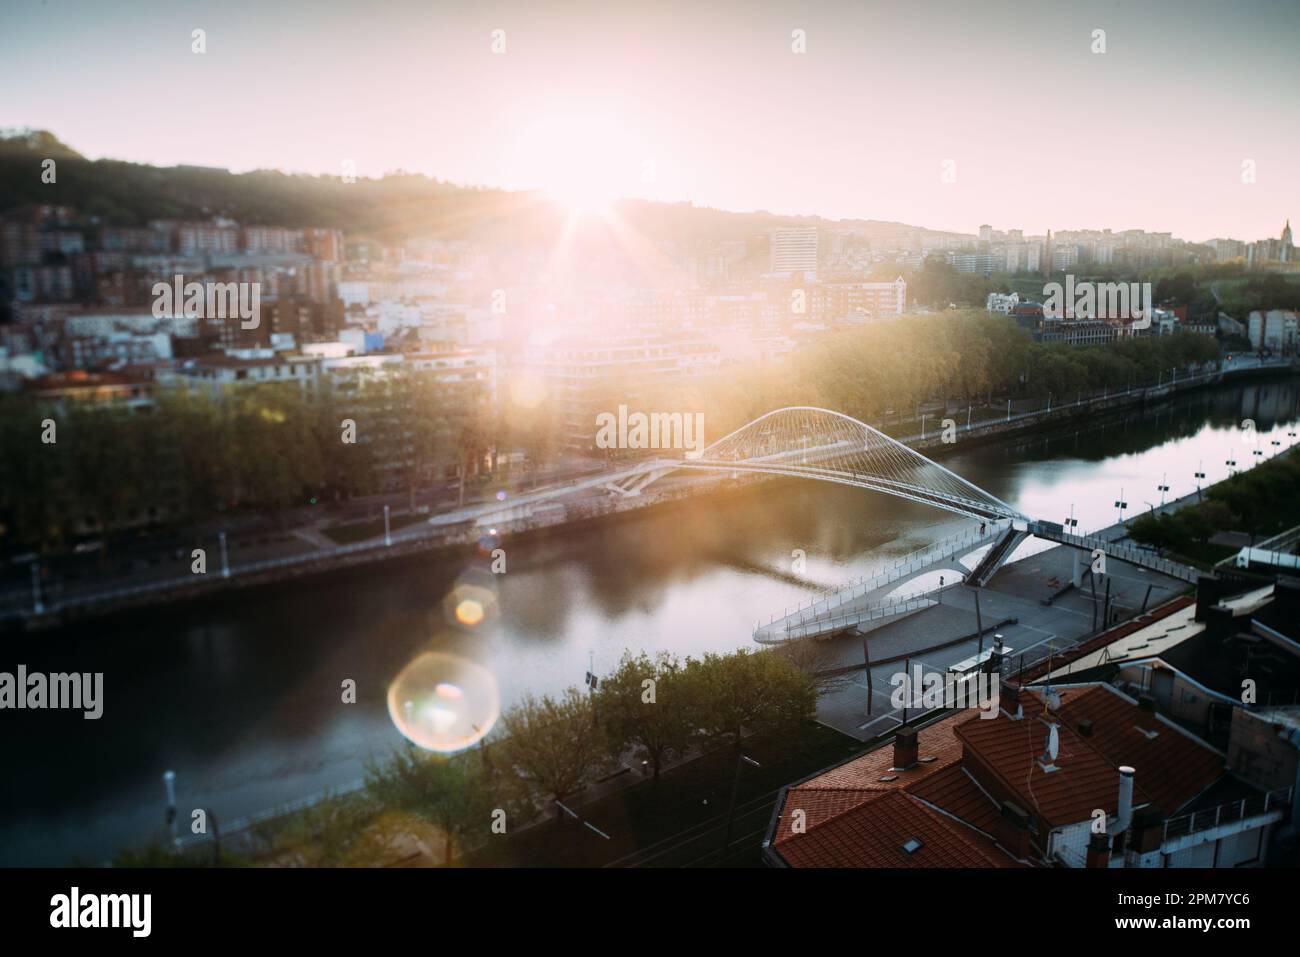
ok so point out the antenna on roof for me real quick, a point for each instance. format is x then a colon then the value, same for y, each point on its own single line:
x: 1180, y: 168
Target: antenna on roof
x: 1047, y: 760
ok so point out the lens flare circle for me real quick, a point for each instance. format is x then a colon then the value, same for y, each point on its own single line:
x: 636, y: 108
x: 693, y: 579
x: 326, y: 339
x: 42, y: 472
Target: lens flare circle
x: 469, y: 612
x: 442, y: 702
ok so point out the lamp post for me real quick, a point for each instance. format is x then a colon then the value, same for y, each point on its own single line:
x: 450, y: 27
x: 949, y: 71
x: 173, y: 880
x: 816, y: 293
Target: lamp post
x: 1163, y: 488
x: 169, y: 783
x: 1121, y: 505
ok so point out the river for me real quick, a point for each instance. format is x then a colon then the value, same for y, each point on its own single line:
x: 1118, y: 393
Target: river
x: 241, y: 696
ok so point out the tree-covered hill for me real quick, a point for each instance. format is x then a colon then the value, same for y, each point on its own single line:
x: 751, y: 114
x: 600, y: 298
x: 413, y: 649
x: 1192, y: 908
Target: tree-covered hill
x: 400, y: 204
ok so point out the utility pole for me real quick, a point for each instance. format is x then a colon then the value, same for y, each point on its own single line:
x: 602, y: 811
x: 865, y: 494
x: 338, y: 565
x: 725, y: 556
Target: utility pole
x: 866, y: 656
x: 907, y: 685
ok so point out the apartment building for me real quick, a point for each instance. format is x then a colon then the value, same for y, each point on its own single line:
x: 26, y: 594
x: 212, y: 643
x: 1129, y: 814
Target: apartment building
x: 794, y: 252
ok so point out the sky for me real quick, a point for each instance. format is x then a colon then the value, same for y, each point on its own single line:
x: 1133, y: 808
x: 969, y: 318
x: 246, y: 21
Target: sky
x: 706, y: 102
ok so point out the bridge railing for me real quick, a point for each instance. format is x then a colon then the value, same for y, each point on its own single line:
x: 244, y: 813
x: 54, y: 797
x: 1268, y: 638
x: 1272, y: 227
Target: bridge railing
x: 831, y: 598
x: 819, y: 626
x: 1125, y: 553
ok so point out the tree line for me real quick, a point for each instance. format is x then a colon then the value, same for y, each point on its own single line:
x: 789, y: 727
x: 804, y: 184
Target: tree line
x: 76, y: 468
x: 194, y: 456
x: 1262, y: 501
x: 968, y: 356
x: 650, y: 708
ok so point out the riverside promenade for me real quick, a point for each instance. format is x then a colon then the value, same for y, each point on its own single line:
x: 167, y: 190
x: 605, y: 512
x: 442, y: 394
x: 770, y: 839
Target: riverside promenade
x: 259, y: 558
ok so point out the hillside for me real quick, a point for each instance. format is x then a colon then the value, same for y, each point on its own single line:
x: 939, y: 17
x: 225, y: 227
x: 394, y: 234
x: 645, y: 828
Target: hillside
x: 399, y: 204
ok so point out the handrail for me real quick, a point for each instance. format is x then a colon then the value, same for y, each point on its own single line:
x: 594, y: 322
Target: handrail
x: 1226, y: 813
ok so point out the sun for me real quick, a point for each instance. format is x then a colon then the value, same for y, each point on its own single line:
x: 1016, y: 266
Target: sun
x: 583, y: 197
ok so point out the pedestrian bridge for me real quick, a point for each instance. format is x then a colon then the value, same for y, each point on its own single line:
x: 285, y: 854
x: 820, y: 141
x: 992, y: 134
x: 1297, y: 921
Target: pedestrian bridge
x: 826, y: 446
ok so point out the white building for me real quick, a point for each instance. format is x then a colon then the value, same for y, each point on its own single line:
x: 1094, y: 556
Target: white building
x: 1275, y: 329
x: 794, y: 251
x: 1002, y: 302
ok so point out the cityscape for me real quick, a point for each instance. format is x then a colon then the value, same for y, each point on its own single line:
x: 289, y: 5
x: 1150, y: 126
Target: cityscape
x: 604, y: 437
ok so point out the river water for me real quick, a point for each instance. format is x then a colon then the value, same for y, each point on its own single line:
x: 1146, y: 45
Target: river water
x: 241, y: 696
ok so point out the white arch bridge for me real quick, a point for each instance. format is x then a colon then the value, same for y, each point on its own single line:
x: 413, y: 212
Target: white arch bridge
x: 827, y: 446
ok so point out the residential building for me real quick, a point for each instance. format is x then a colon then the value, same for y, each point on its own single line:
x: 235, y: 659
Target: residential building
x: 794, y: 252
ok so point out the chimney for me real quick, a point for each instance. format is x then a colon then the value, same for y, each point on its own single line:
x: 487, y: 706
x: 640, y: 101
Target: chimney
x: 1098, y: 851
x: 1124, y: 816
x: 1012, y: 829
x: 993, y: 665
x: 1147, y: 832
x: 1009, y: 699
x: 905, y: 748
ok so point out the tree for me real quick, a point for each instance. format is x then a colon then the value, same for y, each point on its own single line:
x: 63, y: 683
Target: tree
x: 553, y: 744
x: 470, y: 446
x: 816, y: 659
x: 757, y: 692
x: 656, y: 719
x: 454, y: 793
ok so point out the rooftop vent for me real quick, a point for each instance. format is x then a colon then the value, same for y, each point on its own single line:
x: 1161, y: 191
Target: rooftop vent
x: 912, y: 845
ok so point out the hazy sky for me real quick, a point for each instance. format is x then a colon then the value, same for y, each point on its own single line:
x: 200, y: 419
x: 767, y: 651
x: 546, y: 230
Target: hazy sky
x: 706, y: 98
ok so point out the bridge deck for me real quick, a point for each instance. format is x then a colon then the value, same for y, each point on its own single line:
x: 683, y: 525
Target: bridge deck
x: 866, y: 601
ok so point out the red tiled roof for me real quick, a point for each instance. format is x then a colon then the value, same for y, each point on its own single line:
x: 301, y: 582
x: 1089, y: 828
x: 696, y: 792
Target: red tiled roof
x: 1171, y: 768
x: 954, y: 790
x: 936, y: 741
x: 873, y: 834
x: 859, y: 813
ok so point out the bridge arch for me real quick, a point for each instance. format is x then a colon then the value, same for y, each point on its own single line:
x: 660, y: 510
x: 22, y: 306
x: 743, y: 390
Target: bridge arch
x: 821, y: 444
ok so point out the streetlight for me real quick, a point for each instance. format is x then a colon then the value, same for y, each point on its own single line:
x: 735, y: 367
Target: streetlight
x: 1071, y: 522
x: 169, y: 782
x: 1121, y: 505
x: 1200, y: 477
x: 735, y: 788
x: 1163, y: 488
